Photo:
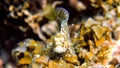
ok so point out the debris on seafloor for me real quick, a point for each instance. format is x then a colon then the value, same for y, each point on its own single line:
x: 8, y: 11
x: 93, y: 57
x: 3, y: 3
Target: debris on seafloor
x: 90, y: 46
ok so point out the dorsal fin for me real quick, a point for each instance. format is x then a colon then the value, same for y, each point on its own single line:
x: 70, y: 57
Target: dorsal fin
x: 62, y: 14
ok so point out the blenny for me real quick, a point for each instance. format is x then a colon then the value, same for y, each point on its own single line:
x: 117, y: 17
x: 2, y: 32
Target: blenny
x: 62, y: 39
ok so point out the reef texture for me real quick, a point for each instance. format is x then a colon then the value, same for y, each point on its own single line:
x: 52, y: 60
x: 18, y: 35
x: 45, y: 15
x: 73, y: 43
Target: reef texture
x: 86, y: 38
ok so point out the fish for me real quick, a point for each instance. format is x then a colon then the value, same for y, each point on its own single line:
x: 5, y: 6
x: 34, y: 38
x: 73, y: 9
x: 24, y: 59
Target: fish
x: 62, y: 39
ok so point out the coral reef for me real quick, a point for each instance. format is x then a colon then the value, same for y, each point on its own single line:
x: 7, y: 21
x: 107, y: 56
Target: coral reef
x: 64, y: 33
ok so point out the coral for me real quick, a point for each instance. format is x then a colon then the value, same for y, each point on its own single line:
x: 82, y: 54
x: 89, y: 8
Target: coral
x: 78, y: 34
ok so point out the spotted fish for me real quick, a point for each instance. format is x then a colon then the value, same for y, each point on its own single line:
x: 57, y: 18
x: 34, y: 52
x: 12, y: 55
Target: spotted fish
x: 62, y: 40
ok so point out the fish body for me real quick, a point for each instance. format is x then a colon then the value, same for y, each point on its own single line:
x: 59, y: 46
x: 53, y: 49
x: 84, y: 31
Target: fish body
x: 61, y: 39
